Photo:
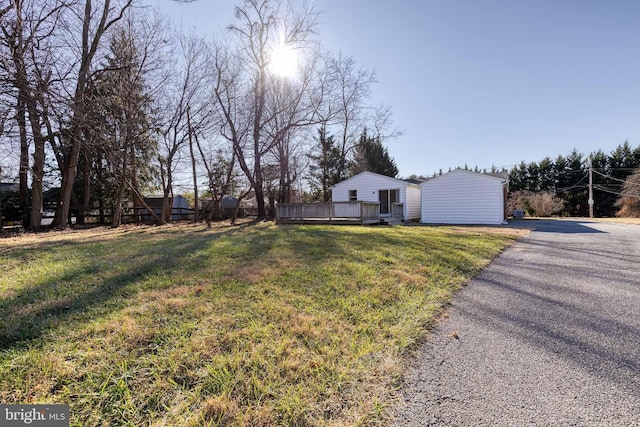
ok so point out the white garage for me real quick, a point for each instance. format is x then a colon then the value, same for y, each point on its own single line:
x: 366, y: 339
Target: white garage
x: 464, y: 197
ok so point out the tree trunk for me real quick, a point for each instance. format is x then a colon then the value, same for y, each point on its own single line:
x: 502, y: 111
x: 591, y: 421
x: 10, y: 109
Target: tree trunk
x: 259, y: 190
x: 101, y: 212
x: 24, y: 163
x: 260, y: 94
x: 193, y: 168
x: 116, y: 219
x: 38, y: 166
x: 86, y: 187
x: 165, y: 175
x: 137, y: 199
x: 68, y: 177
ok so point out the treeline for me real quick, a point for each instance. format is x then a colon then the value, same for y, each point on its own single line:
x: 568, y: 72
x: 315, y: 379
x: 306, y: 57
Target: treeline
x: 103, y: 102
x: 565, y: 182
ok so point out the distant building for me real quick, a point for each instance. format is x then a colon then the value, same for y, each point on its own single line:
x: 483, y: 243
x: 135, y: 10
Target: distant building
x: 179, y: 208
x: 9, y: 187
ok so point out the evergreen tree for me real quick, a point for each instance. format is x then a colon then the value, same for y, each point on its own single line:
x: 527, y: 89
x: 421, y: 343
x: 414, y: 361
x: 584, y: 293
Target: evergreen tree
x: 560, y: 172
x: 518, y: 177
x: 575, y: 185
x: 372, y: 156
x: 604, y: 201
x: 546, y: 178
x: 533, y: 177
x: 325, y: 165
x: 124, y: 148
x: 568, y: 178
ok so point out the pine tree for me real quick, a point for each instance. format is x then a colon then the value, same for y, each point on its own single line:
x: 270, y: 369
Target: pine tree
x: 546, y: 181
x: 325, y: 164
x: 124, y: 147
x: 372, y: 156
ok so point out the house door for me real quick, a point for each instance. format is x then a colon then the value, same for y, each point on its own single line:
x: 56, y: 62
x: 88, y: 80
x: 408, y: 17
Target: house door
x: 387, y: 199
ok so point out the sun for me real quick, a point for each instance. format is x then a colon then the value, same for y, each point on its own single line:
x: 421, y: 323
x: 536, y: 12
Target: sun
x: 283, y: 61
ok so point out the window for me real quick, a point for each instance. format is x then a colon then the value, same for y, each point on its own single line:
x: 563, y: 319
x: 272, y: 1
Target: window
x: 353, y: 195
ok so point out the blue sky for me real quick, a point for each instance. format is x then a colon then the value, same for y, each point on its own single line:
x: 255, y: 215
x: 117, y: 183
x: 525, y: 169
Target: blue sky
x: 484, y: 82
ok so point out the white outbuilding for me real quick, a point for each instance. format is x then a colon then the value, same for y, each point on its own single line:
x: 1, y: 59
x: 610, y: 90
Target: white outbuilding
x: 397, y: 198
x: 464, y: 197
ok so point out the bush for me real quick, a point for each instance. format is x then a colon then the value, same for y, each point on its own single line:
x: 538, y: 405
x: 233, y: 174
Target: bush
x: 536, y: 204
x: 629, y: 201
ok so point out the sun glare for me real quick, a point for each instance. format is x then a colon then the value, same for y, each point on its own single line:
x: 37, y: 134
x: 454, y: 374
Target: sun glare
x: 284, y: 61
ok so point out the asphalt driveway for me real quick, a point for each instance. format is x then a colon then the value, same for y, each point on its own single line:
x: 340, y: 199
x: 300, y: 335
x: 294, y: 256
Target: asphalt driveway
x: 547, y: 335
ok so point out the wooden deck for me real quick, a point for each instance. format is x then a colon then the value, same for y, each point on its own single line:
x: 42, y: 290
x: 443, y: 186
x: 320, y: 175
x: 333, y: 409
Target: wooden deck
x: 347, y: 213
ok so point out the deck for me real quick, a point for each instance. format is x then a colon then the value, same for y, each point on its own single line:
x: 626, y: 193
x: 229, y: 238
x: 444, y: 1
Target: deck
x: 347, y: 213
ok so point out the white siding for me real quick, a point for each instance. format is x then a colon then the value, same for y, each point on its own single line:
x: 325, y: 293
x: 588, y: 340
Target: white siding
x: 368, y: 185
x: 412, y: 205
x: 463, y: 197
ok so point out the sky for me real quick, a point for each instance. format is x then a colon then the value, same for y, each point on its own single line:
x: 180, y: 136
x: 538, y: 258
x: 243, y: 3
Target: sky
x: 483, y: 82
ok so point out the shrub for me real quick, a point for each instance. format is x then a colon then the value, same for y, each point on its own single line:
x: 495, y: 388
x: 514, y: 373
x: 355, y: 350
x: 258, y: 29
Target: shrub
x: 536, y: 204
x: 629, y: 201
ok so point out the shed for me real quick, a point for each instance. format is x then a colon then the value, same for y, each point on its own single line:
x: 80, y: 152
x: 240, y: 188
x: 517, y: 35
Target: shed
x: 397, y: 198
x: 179, y: 207
x: 228, y: 205
x: 9, y: 187
x: 464, y: 197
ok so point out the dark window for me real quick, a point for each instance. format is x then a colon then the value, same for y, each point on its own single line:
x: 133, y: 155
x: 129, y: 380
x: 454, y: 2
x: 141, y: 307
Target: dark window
x: 353, y: 195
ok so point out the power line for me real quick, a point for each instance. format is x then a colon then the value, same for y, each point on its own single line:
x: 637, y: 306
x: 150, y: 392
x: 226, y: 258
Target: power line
x: 615, y: 169
x: 557, y: 190
x: 606, y: 190
x: 616, y: 179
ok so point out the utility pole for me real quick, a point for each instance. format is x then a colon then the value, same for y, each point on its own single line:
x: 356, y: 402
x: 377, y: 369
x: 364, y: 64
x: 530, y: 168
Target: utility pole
x: 590, y: 201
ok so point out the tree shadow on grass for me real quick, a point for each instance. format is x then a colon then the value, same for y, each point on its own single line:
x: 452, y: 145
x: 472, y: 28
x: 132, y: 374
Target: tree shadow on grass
x: 91, y: 288
x: 88, y: 288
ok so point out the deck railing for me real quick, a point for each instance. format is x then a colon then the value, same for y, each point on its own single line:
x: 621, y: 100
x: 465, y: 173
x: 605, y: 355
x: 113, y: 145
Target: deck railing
x: 331, y: 212
x: 397, y: 210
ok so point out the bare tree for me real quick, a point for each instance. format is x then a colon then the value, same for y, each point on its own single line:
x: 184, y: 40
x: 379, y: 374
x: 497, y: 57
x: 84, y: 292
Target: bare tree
x: 629, y: 200
x: 350, y: 90
x: 95, y: 23
x: 186, y: 110
x: 293, y: 108
x: 223, y: 179
x: 244, y: 82
x: 346, y: 109
x: 27, y: 29
x: 543, y: 204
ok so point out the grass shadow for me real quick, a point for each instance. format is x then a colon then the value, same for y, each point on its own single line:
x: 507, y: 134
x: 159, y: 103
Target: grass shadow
x: 89, y: 286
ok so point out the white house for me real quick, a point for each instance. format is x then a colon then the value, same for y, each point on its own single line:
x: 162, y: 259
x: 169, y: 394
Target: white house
x: 397, y: 198
x: 464, y: 197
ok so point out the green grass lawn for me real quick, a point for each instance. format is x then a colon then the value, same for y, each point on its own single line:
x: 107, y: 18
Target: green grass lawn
x: 250, y: 325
